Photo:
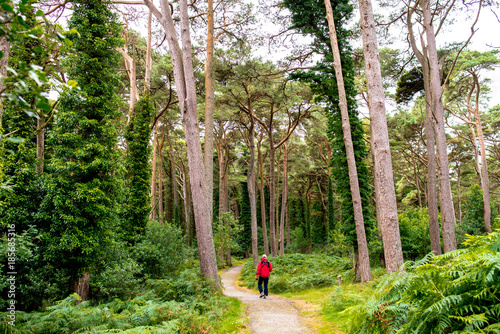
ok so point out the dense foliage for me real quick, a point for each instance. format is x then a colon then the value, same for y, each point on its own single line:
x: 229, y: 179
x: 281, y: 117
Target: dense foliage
x: 182, y: 304
x: 451, y: 293
x: 138, y: 135
x: 81, y: 204
x: 293, y: 272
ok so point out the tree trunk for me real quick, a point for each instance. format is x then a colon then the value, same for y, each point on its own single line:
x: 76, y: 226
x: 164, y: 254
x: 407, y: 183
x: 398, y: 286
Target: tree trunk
x: 277, y: 205
x: 485, y: 176
x: 160, y: 175
x: 430, y: 131
x: 284, y: 200
x: 364, y: 261
x: 431, y: 174
x: 209, y: 109
x: 152, y: 215
x: 287, y: 224
x: 262, y: 200
x: 174, y: 173
x: 272, y: 198
x: 4, y: 62
x: 459, y: 193
x: 147, y: 75
x: 385, y: 195
x: 82, y: 286
x: 251, y: 189
x: 447, y: 214
x: 40, y: 143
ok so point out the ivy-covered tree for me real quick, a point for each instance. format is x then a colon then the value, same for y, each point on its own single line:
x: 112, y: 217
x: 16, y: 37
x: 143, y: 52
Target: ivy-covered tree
x: 309, y: 18
x: 138, y: 135
x: 84, y: 163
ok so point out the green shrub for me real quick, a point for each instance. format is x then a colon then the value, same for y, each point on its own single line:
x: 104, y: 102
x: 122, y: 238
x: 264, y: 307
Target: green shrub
x: 452, y: 293
x: 293, y: 272
x: 162, y: 250
x: 298, y: 244
x: 415, y: 235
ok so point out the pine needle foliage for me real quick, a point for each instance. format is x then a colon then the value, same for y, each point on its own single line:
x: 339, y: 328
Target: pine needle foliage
x: 452, y: 293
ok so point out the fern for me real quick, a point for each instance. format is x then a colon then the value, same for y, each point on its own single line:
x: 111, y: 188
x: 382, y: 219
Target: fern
x: 454, y: 292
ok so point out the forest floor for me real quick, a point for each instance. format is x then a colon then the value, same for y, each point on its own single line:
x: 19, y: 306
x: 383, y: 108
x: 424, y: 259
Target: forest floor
x: 272, y: 315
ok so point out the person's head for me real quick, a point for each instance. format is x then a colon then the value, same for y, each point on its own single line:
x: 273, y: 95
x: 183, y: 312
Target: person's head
x: 264, y: 256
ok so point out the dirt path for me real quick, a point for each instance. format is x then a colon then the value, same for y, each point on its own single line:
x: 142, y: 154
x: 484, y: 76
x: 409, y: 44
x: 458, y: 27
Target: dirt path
x: 271, y: 315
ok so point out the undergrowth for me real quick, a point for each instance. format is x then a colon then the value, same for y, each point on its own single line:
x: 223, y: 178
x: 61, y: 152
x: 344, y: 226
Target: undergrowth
x: 457, y: 292
x: 294, y: 272
x: 185, y: 304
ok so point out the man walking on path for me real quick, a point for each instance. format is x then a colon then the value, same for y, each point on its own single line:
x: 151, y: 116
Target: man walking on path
x: 263, y: 270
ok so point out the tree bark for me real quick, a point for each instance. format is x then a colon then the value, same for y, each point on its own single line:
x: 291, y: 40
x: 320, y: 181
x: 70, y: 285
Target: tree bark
x: 251, y: 188
x: 160, y: 175
x: 152, y: 214
x: 484, y: 166
x: 364, y: 260
x: 40, y: 143
x: 432, y: 180
x: 186, y: 91
x: 447, y: 211
x: 385, y: 195
x: 147, y: 75
x: 209, y: 109
x: 262, y: 200
x: 459, y: 193
x: 284, y: 197
x: 4, y: 62
x: 272, y: 196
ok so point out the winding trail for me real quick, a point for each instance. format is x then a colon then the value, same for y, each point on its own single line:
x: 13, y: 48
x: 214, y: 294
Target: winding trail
x: 272, y: 315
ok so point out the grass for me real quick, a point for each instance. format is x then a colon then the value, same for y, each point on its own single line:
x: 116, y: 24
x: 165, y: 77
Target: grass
x: 233, y: 320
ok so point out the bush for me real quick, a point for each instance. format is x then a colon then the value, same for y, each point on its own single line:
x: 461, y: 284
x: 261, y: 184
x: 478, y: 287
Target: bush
x: 451, y: 293
x: 293, y: 272
x: 415, y: 235
x: 162, y: 250
x: 298, y: 244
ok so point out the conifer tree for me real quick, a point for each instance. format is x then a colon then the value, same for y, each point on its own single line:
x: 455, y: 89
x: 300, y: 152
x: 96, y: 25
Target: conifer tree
x: 309, y: 17
x: 84, y: 138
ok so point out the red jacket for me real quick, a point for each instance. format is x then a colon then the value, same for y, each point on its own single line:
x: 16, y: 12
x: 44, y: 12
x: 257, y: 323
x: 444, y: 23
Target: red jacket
x: 264, y: 268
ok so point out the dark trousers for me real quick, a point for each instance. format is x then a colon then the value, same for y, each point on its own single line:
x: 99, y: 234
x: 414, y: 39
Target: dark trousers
x: 265, y: 280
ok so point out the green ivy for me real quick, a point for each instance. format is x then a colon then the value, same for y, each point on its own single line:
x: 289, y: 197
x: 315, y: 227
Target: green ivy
x: 81, y: 204
x: 138, y: 135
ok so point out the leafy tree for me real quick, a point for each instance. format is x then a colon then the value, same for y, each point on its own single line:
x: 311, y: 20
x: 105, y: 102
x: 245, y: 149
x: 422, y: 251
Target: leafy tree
x: 82, y: 197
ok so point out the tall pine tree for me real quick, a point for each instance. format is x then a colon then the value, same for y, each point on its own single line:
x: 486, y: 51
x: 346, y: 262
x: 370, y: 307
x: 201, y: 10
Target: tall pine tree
x: 309, y: 18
